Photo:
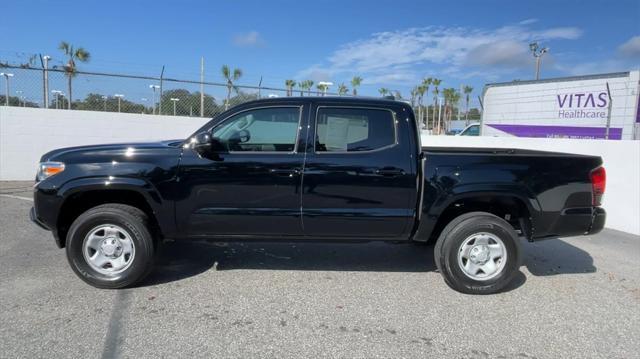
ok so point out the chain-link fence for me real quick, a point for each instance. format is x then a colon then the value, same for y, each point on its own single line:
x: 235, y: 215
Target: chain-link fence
x: 27, y: 86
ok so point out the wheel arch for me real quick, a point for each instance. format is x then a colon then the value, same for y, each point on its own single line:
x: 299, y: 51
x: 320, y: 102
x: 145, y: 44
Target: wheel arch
x: 514, y: 207
x: 81, y: 195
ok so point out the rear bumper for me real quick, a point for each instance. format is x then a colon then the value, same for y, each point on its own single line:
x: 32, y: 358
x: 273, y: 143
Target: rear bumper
x: 598, y: 220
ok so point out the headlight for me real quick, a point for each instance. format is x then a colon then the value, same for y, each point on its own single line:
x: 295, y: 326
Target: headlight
x: 48, y: 169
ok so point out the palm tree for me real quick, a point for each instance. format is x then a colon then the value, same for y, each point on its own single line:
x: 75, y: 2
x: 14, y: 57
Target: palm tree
x: 436, y: 91
x: 322, y: 88
x: 420, y: 89
x: 309, y: 86
x: 342, y: 89
x: 302, y: 87
x: 455, y: 102
x: 447, y: 94
x: 231, y: 77
x: 397, y: 95
x: 70, y: 68
x: 383, y: 91
x: 426, y: 83
x: 355, y: 83
x: 467, y: 91
x: 414, y: 95
x: 290, y: 84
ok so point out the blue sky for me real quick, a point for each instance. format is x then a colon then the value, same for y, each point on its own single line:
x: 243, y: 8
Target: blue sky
x: 390, y: 44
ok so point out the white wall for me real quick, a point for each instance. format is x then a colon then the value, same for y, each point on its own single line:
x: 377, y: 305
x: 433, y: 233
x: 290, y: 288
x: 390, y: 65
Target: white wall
x: 28, y: 133
x: 621, y: 160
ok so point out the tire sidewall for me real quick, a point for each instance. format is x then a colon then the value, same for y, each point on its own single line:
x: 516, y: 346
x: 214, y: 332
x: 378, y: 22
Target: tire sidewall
x: 460, y: 233
x: 139, y: 235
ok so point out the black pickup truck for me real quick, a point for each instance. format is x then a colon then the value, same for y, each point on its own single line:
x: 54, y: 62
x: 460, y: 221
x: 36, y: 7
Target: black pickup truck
x: 313, y: 168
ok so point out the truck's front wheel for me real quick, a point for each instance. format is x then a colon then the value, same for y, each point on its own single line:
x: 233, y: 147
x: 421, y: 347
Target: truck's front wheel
x: 478, y: 253
x: 110, y: 246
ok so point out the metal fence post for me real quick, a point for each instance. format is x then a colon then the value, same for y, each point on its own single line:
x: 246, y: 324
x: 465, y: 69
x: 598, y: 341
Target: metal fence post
x: 606, y: 133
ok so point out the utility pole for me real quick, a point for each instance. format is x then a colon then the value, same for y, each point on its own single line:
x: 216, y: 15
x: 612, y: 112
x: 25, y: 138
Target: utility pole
x: 6, y: 84
x: 119, y: 97
x: 160, y: 100
x: 538, y: 53
x: 44, y: 61
x: 259, y: 87
x: 202, y: 86
x: 174, y: 100
x: 154, y: 88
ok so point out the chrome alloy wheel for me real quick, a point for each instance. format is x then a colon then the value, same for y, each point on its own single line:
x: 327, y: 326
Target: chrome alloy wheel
x: 108, y: 249
x: 482, y: 256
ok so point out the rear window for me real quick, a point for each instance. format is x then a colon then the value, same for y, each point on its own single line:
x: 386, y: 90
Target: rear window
x: 354, y: 129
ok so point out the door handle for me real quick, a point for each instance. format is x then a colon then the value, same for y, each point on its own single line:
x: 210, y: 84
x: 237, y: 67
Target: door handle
x: 286, y: 172
x: 390, y: 172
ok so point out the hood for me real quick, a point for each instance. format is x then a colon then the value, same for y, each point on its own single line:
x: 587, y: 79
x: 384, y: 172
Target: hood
x: 116, y: 150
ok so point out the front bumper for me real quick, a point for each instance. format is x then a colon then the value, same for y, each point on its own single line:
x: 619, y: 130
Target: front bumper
x: 38, y: 222
x: 34, y: 218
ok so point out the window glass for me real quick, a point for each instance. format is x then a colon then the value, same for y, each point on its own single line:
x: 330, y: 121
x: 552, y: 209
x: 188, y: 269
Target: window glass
x: 473, y: 130
x: 353, y: 129
x: 267, y: 129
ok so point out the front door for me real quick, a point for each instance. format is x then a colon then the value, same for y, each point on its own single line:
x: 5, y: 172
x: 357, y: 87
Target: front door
x: 254, y: 188
x: 358, y: 177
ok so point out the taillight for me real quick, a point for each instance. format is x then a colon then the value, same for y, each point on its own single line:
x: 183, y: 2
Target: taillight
x: 598, y: 184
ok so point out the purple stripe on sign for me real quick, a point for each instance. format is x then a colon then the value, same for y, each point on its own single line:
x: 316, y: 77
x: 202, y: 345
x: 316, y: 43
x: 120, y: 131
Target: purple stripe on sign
x: 638, y: 110
x: 559, y: 131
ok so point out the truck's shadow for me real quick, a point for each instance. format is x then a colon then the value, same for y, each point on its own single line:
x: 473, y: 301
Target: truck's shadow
x: 179, y: 260
x: 553, y: 257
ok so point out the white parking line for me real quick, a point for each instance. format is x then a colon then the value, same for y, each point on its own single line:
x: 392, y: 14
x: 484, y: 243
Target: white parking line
x: 17, y: 197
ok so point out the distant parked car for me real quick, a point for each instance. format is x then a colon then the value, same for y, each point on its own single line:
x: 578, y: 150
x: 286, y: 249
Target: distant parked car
x: 471, y: 130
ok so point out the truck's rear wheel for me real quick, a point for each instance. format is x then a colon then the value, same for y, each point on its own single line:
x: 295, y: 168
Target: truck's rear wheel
x: 110, y: 246
x: 478, y: 253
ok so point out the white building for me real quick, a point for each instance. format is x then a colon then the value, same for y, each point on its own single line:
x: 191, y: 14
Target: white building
x: 567, y: 107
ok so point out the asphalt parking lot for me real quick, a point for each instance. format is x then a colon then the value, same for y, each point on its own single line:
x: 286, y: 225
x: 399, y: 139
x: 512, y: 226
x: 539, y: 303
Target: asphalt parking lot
x: 575, y: 298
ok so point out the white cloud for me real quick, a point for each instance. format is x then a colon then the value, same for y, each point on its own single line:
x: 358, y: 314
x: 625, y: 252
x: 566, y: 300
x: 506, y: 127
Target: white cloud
x: 631, y: 48
x: 396, y: 56
x: 528, y: 21
x: 251, y: 38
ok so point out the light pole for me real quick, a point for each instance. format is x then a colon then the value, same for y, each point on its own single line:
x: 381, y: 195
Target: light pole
x: 154, y: 88
x: 57, y: 93
x: 119, y: 97
x: 104, y: 99
x: 538, y: 53
x: 46, y: 59
x: 325, y: 86
x: 6, y: 84
x: 174, y: 100
x: 144, y: 107
x: 20, y: 98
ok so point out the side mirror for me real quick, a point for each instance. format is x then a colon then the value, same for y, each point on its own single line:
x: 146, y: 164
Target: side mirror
x: 201, y: 142
x: 204, y: 144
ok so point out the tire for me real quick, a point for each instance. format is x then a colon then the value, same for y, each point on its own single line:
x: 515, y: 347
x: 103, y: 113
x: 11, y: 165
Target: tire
x: 126, y: 229
x: 475, y: 274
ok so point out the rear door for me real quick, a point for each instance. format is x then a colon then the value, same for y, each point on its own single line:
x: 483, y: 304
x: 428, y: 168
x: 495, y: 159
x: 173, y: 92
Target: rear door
x: 358, y: 178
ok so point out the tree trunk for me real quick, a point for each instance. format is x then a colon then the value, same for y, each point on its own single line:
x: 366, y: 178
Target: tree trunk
x: 70, y: 94
x: 466, y: 113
